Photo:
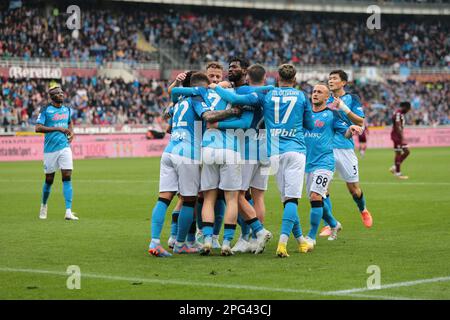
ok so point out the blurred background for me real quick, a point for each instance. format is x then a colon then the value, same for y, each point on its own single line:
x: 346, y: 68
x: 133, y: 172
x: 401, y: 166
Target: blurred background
x: 116, y: 67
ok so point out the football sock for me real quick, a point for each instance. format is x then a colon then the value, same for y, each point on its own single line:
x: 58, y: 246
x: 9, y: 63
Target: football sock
x: 297, y: 229
x: 327, y: 215
x: 185, y: 220
x: 255, y: 224
x: 207, y: 229
x: 327, y: 206
x: 245, y: 228
x: 219, y: 213
x: 228, y: 233
x: 191, y: 233
x: 316, y: 214
x: 289, y: 217
x: 360, y: 202
x: 46, y: 192
x: 199, y: 213
x: 398, y: 162
x: 174, y: 225
x: 67, y: 191
x: 158, y: 215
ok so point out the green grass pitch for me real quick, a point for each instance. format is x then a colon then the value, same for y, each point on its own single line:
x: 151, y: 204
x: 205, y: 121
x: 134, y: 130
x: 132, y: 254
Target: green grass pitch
x: 113, y: 198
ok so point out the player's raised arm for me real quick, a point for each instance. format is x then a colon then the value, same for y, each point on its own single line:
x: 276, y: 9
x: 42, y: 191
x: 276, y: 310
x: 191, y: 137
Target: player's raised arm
x: 178, y: 80
x: 235, y: 99
x: 177, y: 92
x: 340, y: 105
x: 199, y: 82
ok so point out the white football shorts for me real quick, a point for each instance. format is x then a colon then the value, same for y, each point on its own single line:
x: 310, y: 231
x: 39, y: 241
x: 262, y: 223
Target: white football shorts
x: 221, y: 168
x: 179, y: 174
x: 318, y: 181
x: 347, y: 164
x: 61, y: 159
x: 289, y: 172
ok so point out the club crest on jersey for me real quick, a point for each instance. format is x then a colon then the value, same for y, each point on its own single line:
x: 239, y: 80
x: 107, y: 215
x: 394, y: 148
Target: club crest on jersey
x: 319, y: 124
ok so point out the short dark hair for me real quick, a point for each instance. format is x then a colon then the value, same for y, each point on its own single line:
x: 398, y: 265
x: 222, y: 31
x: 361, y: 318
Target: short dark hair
x: 244, y: 63
x: 187, y: 81
x: 199, y: 78
x: 214, y: 65
x: 405, y: 105
x: 341, y: 73
x: 287, y: 72
x: 256, y: 73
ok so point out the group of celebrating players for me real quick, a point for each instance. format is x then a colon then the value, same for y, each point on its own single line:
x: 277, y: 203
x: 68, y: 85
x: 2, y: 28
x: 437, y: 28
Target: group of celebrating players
x: 228, y: 136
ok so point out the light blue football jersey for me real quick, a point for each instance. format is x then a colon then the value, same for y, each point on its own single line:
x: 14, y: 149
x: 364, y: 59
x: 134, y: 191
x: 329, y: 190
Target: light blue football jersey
x: 187, y: 128
x: 51, y: 116
x: 353, y: 102
x: 319, y: 140
x: 251, y: 118
x: 220, y: 138
x: 286, y: 112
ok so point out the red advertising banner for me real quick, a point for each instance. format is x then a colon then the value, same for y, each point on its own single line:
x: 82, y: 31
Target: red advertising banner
x: 415, y: 137
x: 84, y: 146
x: 17, y: 148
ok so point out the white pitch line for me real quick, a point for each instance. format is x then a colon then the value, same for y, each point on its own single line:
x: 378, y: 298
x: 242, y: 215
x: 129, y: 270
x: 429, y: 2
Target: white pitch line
x: 208, y: 284
x: 393, y: 285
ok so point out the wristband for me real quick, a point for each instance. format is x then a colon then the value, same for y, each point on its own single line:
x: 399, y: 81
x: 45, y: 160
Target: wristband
x: 344, y: 107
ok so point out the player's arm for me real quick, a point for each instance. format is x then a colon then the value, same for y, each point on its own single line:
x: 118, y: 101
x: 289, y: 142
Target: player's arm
x: 308, y: 122
x: 353, y: 130
x: 169, y: 128
x: 243, y: 122
x: 43, y: 129
x: 236, y: 99
x: 208, y: 115
x: 357, y: 119
x: 167, y: 113
x: 71, y: 134
x: 218, y: 115
x: 40, y: 125
x: 188, y: 92
x: 180, y: 78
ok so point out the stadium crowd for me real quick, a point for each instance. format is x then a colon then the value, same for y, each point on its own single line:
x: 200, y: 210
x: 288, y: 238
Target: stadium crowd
x: 94, y: 101
x: 298, y: 38
x: 102, y: 101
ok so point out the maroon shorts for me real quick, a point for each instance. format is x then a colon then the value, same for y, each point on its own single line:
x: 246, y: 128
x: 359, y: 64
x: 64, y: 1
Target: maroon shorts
x: 362, y: 138
x: 399, y: 144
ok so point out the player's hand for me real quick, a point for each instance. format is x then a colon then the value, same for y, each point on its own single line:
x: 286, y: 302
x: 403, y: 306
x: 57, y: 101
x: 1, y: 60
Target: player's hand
x: 66, y: 131
x: 180, y: 77
x: 335, y: 104
x: 70, y: 136
x: 212, y: 125
x: 212, y: 86
x: 225, y: 84
x: 236, y: 111
x: 356, y: 130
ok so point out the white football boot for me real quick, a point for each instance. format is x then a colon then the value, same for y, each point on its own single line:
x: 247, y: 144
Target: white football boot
x: 334, y: 232
x: 240, y: 246
x: 70, y: 215
x: 262, y: 238
x: 43, y: 212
